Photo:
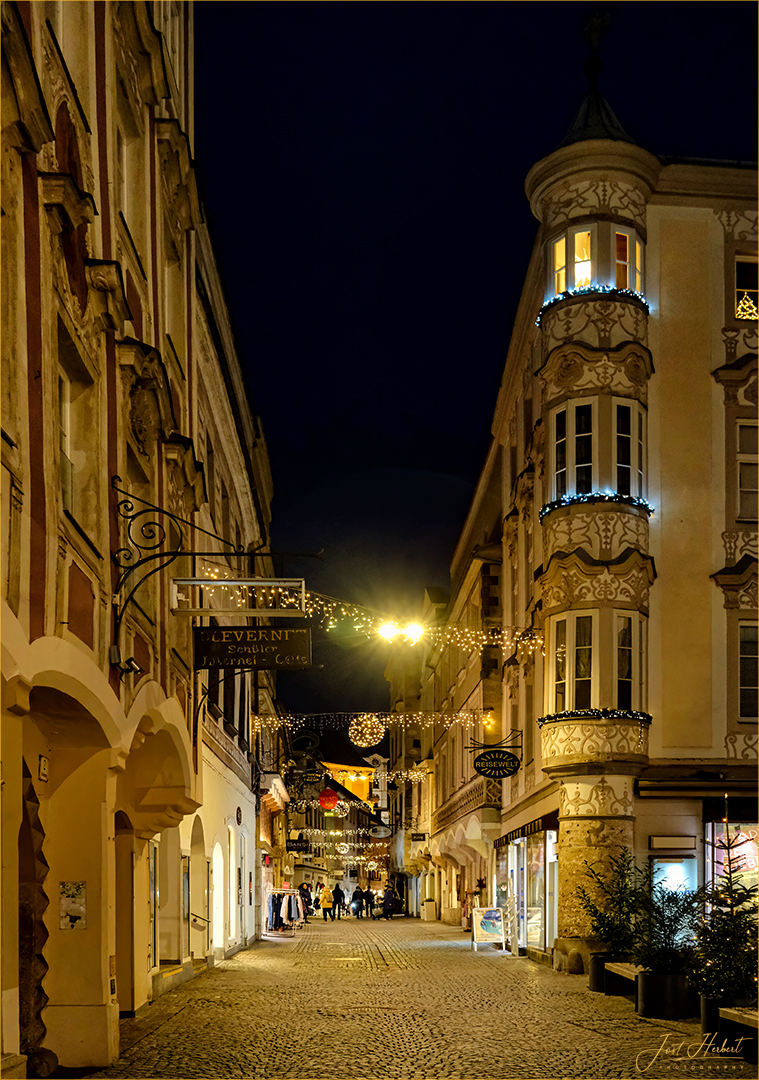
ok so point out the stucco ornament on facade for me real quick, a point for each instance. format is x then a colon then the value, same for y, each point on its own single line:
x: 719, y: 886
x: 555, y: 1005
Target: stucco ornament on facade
x: 607, y: 797
x: 739, y: 224
x: 741, y: 745
x: 739, y: 542
x: 571, y: 581
x: 595, y: 198
x: 574, y: 368
x: 603, y: 534
x: 594, y: 741
x: 599, y: 323
x: 740, y: 342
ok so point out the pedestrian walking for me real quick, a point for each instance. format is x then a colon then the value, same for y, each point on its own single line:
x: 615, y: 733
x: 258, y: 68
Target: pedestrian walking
x: 357, y: 903
x: 369, y: 902
x: 303, y: 893
x: 327, y: 901
x: 338, y: 900
x: 388, y: 902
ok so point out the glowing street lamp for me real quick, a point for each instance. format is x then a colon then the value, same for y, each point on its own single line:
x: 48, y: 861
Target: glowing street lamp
x: 413, y: 632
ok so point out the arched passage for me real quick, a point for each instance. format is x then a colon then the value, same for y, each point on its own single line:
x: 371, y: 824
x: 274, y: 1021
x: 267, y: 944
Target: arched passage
x: 218, y: 898
x: 125, y: 896
x: 199, y: 873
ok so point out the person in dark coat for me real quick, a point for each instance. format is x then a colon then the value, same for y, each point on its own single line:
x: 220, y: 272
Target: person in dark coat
x: 388, y: 902
x: 369, y: 901
x: 357, y: 903
x: 304, y: 897
x: 338, y: 897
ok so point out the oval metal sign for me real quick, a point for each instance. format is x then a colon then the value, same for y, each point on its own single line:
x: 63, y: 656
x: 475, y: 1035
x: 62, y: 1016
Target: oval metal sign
x: 496, y: 764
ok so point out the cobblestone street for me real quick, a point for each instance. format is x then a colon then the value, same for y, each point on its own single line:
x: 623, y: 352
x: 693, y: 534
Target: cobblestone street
x: 361, y: 999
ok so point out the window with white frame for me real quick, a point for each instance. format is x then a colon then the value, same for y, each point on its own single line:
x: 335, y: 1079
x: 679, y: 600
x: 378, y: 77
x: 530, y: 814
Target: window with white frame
x: 574, y: 428
x: 627, y: 260
x: 630, y: 661
x: 748, y: 465
x: 572, y: 260
x: 748, y: 671
x: 573, y: 647
x: 629, y: 424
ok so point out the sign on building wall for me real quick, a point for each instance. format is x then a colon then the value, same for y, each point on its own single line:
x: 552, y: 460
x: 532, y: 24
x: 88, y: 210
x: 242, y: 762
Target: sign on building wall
x: 496, y: 764
x: 72, y: 913
x: 254, y: 647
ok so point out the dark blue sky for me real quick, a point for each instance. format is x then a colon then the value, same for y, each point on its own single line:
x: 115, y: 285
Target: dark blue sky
x: 362, y: 167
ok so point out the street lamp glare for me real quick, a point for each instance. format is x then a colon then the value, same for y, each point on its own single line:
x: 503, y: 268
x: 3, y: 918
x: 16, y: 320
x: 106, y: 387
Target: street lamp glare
x: 413, y: 632
x: 389, y: 630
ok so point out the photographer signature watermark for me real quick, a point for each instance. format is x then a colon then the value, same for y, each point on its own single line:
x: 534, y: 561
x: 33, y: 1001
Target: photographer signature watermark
x: 706, y: 1049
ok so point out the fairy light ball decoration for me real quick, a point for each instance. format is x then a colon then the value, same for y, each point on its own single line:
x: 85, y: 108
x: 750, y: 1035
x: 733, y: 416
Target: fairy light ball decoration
x: 366, y: 730
x: 341, y: 808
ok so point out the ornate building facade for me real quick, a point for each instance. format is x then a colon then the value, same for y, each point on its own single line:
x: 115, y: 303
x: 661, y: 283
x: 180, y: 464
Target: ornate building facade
x: 131, y: 842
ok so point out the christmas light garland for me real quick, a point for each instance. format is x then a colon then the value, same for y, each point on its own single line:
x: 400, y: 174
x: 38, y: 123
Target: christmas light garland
x: 585, y: 290
x: 467, y: 718
x: 595, y: 497
x: 596, y: 714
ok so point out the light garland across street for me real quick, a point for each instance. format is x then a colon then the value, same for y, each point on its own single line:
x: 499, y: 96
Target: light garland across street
x: 297, y: 721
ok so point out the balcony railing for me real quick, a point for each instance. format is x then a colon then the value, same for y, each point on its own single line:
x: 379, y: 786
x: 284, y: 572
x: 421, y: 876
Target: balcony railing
x: 476, y: 795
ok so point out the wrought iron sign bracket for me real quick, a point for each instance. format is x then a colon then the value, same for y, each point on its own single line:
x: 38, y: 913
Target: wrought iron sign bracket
x: 512, y: 742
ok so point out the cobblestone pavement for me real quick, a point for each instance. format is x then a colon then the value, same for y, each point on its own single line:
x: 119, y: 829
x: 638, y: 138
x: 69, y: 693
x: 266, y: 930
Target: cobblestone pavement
x: 362, y: 1000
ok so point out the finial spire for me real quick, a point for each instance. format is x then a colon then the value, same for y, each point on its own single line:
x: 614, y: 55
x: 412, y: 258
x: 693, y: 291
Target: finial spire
x: 595, y: 119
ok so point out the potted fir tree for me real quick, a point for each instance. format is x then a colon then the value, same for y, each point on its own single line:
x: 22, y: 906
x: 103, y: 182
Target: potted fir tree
x: 663, y: 947
x: 611, y: 900
x: 725, y: 956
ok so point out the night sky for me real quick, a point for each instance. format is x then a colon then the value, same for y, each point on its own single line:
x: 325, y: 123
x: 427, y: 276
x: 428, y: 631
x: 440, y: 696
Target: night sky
x: 362, y: 169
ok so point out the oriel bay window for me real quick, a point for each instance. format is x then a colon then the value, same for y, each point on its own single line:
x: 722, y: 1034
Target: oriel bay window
x: 572, y: 262
x: 598, y: 444
x: 600, y: 254
x: 630, y: 661
x: 597, y: 659
x: 628, y: 260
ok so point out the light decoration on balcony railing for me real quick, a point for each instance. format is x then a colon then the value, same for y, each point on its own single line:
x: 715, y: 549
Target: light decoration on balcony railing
x: 596, y: 714
x: 596, y: 497
x: 585, y: 290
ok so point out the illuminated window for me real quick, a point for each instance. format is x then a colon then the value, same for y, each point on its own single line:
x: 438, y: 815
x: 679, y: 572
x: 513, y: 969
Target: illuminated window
x: 630, y: 661
x: 749, y: 671
x: 572, y: 654
x: 572, y: 260
x: 573, y: 449
x: 746, y: 288
x: 747, y: 470
x: 627, y: 260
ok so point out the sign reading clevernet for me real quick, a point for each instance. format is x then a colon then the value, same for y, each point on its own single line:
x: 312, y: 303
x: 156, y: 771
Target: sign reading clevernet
x: 259, y: 647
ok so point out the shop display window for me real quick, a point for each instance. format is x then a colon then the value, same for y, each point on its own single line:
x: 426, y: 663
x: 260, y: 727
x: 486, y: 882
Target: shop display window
x: 745, y: 854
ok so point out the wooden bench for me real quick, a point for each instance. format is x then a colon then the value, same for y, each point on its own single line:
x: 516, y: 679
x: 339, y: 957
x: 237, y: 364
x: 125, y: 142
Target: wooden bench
x: 740, y: 1023
x: 617, y: 979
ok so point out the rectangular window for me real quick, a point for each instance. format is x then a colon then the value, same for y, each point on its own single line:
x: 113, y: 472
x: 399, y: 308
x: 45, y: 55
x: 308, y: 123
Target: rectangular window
x: 747, y: 470
x: 583, y: 667
x: 583, y: 449
x: 64, y: 441
x: 561, y: 453
x: 622, y: 252
x: 642, y: 697
x: 749, y: 673
x: 560, y: 665
x: 746, y: 289
x: 560, y: 266
x: 624, y: 662
x: 574, y: 466
x: 624, y: 449
x: 638, y: 266
x: 583, y: 272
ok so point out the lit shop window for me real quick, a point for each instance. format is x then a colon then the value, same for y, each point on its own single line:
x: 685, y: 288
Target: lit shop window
x: 573, y: 449
x: 743, y: 854
x: 749, y: 671
x: 628, y: 261
x: 630, y: 661
x: 748, y: 467
x: 572, y: 650
x: 572, y: 260
x: 746, y: 288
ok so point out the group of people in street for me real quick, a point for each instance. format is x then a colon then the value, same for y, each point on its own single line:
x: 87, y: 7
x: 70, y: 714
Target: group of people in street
x: 332, y: 902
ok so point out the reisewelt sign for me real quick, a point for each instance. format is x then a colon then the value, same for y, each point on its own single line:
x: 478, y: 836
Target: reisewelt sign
x: 254, y: 647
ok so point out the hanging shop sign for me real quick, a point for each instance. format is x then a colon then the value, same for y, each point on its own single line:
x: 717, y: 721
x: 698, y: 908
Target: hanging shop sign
x: 328, y: 798
x: 267, y: 648
x: 297, y: 845
x: 496, y: 764
x: 419, y: 836
x: 379, y: 831
x: 313, y: 777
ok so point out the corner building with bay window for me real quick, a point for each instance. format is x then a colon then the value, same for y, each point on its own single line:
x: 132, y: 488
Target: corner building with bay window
x: 627, y: 429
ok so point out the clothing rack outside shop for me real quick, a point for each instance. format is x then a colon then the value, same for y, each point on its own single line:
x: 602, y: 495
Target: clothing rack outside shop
x: 284, y: 911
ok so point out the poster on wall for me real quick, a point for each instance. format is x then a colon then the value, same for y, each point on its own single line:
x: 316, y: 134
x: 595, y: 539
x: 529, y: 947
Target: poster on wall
x: 488, y: 927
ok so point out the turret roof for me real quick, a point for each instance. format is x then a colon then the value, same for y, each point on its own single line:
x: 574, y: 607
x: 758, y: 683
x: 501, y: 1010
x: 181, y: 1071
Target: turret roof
x: 594, y: 119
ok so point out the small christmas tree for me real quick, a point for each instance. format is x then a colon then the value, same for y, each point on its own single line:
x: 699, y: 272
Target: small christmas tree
x: 611, y: 901
x: 726, y: 953
x: 746, y: 308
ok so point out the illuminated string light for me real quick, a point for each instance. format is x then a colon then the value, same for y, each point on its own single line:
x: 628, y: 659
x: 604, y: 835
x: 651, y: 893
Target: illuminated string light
x: 594, y: 497
x: 407, y: 721
x: 366, y: 730
x: 584, y: 290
